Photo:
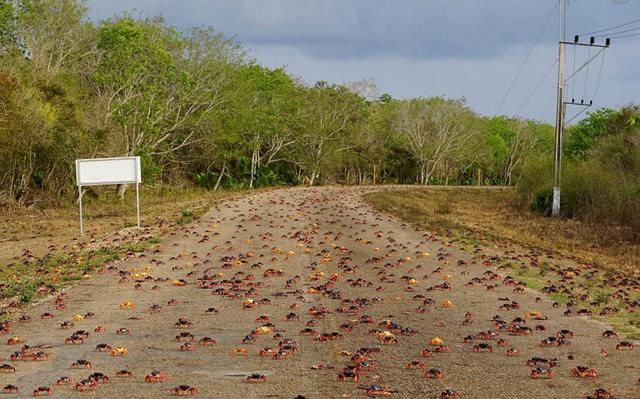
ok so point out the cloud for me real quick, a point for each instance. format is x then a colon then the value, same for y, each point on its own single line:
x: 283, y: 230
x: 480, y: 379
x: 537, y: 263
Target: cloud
x: 413, y: 48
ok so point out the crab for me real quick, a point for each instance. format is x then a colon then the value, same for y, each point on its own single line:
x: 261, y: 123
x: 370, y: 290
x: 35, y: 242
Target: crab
x: 183, y: 323
x: 542, y: 362
x: 187, y: 347
x: 127, y: 306
x: 601, y: 393
x: 541, y: 372
x: 427, y: 353
x: 513, y: 352
x: 283, y: 353
x: 583, y: 372
x: 608, y: 334
x: 156, y: 376
x: 10, y: 389
x: 348, y: 375
x: 207, y: 341
x: 185, y: 336
x: 434, y: 373
x: 308, y: 331
x: 7, y: 369
x: 483, y: 347
x: 81, y: 364
x: 119, y: 351
x: 256, y: 378
x: 240, y: 352
x: 487, y: 335
x: 15, y: 340
x: 415, y: 364
x: 388, y: 340
x: 84, y: 385
x: 99, y: 329
x: 292, y: 317
x: 378, y: 390
x: 74, y: 340
x: 43, y: 391
x: 123, y: 331
x: 625, y: 345
x: 266, y: 352
x: 100, y: 378
x: 63, y: 381
x: 184, y: 390
x: 449, y: 393
x: 103, y: 348
x: 442, y: 349
x: 66, y: 324
x: 39, y: 356
x: 124, y: 374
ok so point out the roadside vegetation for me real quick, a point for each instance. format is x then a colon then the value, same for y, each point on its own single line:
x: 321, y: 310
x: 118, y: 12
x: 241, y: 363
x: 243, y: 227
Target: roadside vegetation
x: 490, y: 218
x: 40, y: 249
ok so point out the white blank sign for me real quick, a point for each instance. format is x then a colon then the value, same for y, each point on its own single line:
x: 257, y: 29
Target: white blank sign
x: 103, y: 171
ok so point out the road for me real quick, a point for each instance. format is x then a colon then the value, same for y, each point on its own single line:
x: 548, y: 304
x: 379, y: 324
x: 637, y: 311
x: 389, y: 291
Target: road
x: 333, y: 251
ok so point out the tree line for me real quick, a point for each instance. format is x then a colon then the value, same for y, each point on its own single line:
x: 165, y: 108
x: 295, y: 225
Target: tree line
x: 199, y: 110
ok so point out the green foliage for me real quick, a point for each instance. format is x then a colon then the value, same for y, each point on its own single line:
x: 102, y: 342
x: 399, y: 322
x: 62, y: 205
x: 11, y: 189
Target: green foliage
x: 585, y: 134
x: 599, y: 178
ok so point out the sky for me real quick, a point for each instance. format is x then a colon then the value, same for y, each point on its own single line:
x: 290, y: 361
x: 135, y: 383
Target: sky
x: 422, y: 48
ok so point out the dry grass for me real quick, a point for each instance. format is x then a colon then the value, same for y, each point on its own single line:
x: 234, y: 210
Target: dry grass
x: 40, y: 248
x: 495, y: 211
x: 492, y: 218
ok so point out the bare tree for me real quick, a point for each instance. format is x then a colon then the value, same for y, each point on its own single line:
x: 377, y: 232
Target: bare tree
x: 433, y: 129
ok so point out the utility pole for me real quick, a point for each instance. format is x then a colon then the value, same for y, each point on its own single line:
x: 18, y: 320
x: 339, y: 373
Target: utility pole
x: 561, y: 105
x: 560, y: 111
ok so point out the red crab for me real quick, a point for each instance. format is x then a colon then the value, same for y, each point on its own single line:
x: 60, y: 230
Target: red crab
x: 184, y: 390
x: 7, y: 368
x: 348, y: 375
x: 583, y: 372
x: 449, y: 394
x: 541, y: 372
x: 434, y: 373
x: 81, y: 364
x: 625, y: 345
x: 10, y: 389
x: 63, y: 381
x: 483, y: 347
x: 103, y: 348
x: 207, y: 341
x: 155, y: 376
x: 378, y: 390
x: 256, y: 378
x: 416, y: 364
x: 85, y: 385
x: 124, y: 374
x: 43, y: 391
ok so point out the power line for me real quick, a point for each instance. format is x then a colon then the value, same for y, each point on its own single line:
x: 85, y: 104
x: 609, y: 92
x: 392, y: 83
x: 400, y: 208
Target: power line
x: 619, y: 32
x: 587, y: 62
x: 624, y: 36
x: 595, y: 93
x: 544, y: 77
x: 513, y: 82
x: 610, y: 28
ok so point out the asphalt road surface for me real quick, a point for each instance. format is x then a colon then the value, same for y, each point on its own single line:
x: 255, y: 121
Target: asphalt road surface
x: 300, y: 251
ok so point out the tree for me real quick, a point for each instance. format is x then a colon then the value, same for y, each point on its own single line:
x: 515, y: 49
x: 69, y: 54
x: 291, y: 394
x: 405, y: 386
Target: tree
x: 433, y: 129
x: 329, y: 112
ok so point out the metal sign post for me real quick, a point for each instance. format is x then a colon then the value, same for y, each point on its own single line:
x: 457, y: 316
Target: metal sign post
x: 108, y: 171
